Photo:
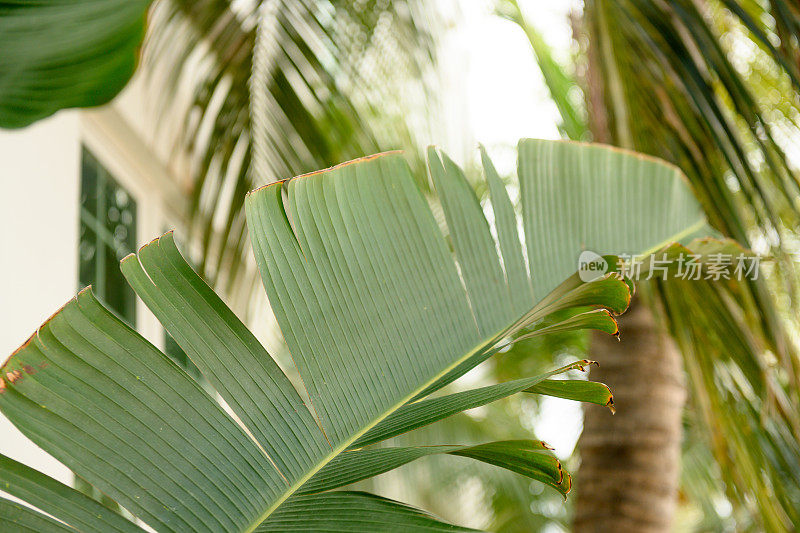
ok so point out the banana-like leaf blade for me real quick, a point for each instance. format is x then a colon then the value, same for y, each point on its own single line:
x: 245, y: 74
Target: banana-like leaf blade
x: 59, y: 500
x: 124, y: 417
x: 418, y: 414
x: 525, y: 458
x: 355, y: 512
x: 530, y: 458
x: 610, y: 293
x: 65, y: 54
x: 18, y: 518
x: 375, y: 308
x: 557, y: 199
x: 228, y: 354
x: 575, y: 389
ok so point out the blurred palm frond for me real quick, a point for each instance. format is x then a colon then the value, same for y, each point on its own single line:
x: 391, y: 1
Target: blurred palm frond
x: 247, y: 92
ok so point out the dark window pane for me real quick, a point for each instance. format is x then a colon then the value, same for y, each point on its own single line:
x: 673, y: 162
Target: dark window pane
x: 87, y: 255
x: 116, y: 292
x: 107, y: 234
x: 89, y: 183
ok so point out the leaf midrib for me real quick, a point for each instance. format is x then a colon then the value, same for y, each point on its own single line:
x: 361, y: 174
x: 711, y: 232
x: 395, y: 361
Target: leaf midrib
x: 676, y: 237
x: 355, y: 436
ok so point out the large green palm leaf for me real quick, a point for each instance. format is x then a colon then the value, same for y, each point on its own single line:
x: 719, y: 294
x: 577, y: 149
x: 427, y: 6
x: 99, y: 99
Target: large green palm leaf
x: 377, y: 311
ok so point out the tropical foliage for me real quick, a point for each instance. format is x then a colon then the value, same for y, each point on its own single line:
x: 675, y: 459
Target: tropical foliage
x: 246, y: 93
x: 58, y: 55
x: 379, y: 314
x: 713, y: 87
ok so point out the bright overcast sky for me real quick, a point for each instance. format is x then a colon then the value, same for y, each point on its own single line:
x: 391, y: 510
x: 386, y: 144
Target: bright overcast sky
x: 503, y: 93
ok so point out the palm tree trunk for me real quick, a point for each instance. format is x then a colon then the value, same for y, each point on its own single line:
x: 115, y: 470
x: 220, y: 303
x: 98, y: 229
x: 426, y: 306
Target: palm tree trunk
x: 630, y: 463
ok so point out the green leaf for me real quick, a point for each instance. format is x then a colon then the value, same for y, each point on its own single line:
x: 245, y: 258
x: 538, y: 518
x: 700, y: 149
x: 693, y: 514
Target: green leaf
x: 523, y: 457
x: 121, y: 415
x: 65, y: 54
x: 58, y: 500
x: 618, y: 203
x: 529, y: 458
x: 356, y: 512
x: 355, y: 465
x: 474, y: 247
x: 598, y: 319
x: 609, y: 292
x: 575, y: 389
x: 18, y: 518
x: 519, y: 283
x: 231, y: 358
x: 421, y: 413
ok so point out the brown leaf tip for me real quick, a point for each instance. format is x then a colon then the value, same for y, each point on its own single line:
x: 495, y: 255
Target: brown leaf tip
x: 560, y: 472
x: 33, y: 335
x: 363, y: 159
x: 584, y: 363
x: 324, y: 170
x: 13, y: 376
x: 152, y: 241
x: 270, y: 184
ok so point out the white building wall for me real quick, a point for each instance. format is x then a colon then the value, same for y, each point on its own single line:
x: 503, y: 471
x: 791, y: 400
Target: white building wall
x: 39, y: 202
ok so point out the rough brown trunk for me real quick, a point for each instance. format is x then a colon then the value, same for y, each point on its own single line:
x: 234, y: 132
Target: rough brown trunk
x: 630, y: 462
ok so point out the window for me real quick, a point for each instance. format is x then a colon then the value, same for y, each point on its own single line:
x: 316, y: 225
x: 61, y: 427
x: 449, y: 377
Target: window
x: 107, y: 234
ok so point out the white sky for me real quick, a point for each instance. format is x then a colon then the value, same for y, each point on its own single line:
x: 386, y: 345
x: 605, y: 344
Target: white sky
x: 500, y: 96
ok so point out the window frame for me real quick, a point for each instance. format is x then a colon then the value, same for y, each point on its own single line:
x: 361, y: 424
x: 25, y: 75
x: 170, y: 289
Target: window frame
x: 120, y: 148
